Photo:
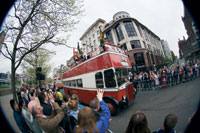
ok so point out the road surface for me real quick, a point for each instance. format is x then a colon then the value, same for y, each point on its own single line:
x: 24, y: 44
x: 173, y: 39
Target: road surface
x: 181, y: 100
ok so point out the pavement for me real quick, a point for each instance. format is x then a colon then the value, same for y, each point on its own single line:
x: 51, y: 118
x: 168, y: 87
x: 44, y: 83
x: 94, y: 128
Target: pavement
x: 5, y: 91
x: 181, y: 100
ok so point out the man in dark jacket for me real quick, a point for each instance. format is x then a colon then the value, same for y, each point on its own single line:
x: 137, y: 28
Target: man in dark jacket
x: 19, y: 119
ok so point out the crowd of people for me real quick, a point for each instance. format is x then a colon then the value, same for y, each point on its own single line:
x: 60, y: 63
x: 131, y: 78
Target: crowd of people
x: 48, y: 111
x: 165, y: 77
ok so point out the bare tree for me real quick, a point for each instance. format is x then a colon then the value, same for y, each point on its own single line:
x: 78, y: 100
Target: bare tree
x: 38, y: 58
x: 33, y: 23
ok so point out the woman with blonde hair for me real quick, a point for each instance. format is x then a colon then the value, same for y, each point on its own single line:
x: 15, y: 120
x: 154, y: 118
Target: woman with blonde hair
x: 86, y: 121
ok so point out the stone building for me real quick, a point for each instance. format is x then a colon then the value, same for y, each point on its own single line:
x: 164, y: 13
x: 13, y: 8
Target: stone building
x: 189, y: 49
x: 143, y: 47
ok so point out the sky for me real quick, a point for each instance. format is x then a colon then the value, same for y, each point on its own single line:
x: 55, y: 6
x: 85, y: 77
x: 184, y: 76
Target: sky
x: 163, y: 17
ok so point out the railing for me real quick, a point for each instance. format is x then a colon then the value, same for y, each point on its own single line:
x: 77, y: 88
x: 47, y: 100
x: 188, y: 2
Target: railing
x: 164, y: 82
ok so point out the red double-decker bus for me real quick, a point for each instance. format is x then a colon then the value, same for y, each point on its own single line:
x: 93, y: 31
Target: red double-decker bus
x: 109, y: 71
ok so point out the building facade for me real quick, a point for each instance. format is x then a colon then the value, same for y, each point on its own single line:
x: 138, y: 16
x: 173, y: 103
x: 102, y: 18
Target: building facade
x: 166, y: 49
x: 142, y: 45
x: 90, y: 40
x: 189, y: 49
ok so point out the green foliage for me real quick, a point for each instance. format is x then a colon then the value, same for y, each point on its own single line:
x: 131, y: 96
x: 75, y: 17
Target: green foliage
x: 40, y: 58
x: 167, y: 62
x: 173, y: 56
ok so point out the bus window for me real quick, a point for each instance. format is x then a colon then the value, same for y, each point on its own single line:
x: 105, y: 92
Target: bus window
x: 79, y: 83
x: 109, y: 78
x: 73, y: 83
x: 99, y: 80
x: 65, y: 83
x: 121, y: 74
x: 70, y: 83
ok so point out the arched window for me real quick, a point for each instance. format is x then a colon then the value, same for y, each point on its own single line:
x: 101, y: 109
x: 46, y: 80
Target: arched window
x: 139, y: 59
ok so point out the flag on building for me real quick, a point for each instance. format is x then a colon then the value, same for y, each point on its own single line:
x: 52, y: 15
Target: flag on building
x: 80, y: 53
x: 101, y: 38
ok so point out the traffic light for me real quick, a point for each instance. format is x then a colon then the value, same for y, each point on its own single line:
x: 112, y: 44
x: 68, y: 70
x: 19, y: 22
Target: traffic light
x: 39, y: 74
x: 38, y: 69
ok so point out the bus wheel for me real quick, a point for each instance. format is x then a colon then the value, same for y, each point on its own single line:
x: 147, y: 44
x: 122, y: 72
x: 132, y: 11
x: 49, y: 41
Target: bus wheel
x: 112, y: 105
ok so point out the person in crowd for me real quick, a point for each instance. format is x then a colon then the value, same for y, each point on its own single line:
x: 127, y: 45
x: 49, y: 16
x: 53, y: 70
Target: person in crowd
x: 181, y: 73
x: 138, y: 123
x: 156, y: 78
x: 88, y: 122
x: 30, y: 120
x: 46, y: 103
x: 130, y: 76
x: 135, y: 81
x: 48, y: 124
x: 19, y: 119
x: 24, y: 96
x: 146, y: 80
x: 32, y: 95
x: 193, y: 125
x: 169, y: 77
x: 175, y: 75
x: 152, y: 79
x: 169, y: 124
x: 74, y: 106
x: 59, y: 96
x: 186, y: 72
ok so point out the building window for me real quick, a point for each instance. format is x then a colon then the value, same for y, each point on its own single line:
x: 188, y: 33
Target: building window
x: 98, y: 32
x: 93, y: 35
x: 109, y: 35
x: 139, y: 59
x: 140, y: 31
x: 130, y: 28
x: 145, y: 46
x: 99, y: 80
x: 123, y: 46
x: 119, y: 33
x: 94, y: 42
x: 135, y: 44
x: 109, y: 76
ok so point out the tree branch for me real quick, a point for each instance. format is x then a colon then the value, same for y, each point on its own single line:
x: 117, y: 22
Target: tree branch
x: 17, y: 15
x: 11, y: 28
x: 8, y: 52
x: 22, y: 48
x: 24, y: 24
x: 60, y: 43
x: 33, y: 49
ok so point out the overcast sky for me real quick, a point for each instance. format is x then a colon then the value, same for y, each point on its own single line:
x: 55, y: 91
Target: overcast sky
x: 163, y: 17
